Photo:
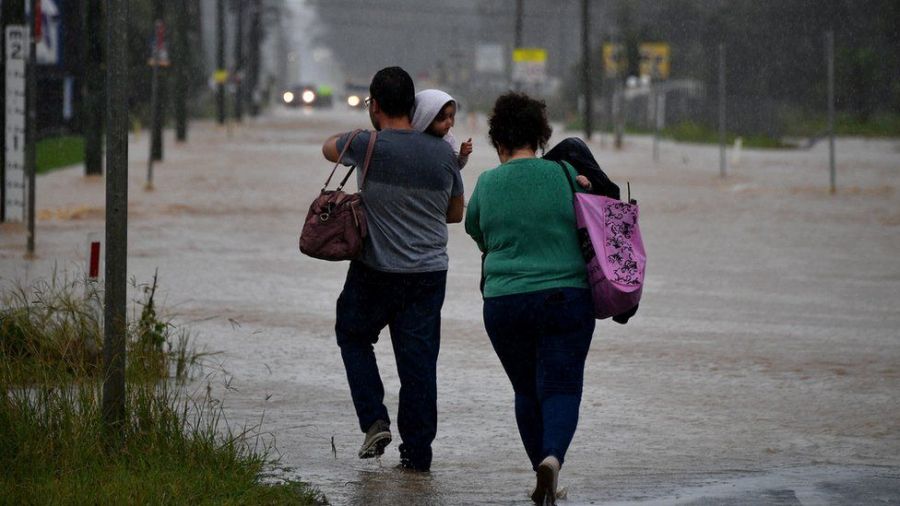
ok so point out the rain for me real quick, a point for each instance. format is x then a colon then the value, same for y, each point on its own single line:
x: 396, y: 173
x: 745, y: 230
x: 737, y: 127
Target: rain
x: 760, y: 139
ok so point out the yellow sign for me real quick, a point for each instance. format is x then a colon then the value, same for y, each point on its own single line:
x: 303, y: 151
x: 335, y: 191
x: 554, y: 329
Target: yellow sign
x: 220, y: 76
x: 655, y: 60
x: 530, y: 54
x: 614, y: 61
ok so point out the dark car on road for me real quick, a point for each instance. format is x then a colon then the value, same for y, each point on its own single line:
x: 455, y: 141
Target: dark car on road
x: 308, y: 95
x: 356, y: 95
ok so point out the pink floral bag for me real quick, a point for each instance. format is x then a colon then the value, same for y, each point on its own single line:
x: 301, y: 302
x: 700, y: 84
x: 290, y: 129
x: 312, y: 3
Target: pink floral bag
x: 612, y: 247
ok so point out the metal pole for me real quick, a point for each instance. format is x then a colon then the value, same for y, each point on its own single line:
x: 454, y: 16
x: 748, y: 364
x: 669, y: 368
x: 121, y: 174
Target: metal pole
x: 158, y: 108
x: 253, y: 67
x: 829, y: 51
x: 116, y: 217
x: 5, y: 11
x: 658, y: 97
x: 92, y: 97
x: 517, y: 43
x: 239, y: 62
x: 31, y: 118
x: 519, y: 14
x: 220, y: 60
x: 182, y: 60
x: 154, y: 103
x: 722, y: 117
x: 619, y: 113
x: 586, y: 68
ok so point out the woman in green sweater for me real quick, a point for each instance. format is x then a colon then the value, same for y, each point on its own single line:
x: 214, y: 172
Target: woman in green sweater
x: 537, y: 304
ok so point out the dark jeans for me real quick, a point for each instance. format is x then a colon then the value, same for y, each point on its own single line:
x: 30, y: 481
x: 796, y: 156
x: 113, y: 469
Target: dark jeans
x: 542, y: 339
x: 410, y: 306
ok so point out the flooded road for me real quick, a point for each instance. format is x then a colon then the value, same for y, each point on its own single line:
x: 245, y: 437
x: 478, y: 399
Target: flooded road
x: 762, y: 367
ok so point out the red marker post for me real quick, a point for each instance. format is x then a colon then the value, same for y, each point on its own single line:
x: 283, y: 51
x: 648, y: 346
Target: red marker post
x: 92, y: 285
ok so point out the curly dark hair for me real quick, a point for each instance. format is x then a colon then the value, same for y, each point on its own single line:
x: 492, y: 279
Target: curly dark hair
x: 394, y: 91
x: 518, y: 121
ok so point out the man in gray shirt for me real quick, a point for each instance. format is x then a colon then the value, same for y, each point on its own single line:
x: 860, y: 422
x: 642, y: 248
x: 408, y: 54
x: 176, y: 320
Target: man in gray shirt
x: 413, y: 188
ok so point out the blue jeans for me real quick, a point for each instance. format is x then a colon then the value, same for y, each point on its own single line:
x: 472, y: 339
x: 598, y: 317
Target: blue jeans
x: 410, y: 306
x: 542, y: 340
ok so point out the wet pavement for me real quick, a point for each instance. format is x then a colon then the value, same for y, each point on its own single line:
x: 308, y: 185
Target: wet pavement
x: 762, y: 368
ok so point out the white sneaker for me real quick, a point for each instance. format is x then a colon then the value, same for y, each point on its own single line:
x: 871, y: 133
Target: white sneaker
x: 547, y: 479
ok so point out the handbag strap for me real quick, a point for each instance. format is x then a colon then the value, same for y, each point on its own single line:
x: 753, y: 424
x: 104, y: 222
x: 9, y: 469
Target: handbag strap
x: 568, y: 177
x: 365, y: 168
x: 341, y: 156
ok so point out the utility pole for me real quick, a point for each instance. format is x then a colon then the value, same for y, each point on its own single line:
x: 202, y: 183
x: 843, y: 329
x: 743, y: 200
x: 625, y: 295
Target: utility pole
x: 31, y: 119
x: 517, y: 42
x: 829, y: 52
x: 586, y: 69
x: 619, y: 97
x: 93, y: 87
x: 220, y: 61
x: 182, y: 61
x: 722, y: 117
x: 238, y: 75
x: 158, y: 108
x: 519, y: 21
x: 156, y: 63
x: 659, y: 98
x: 114, y: 326
x: 253, y: 70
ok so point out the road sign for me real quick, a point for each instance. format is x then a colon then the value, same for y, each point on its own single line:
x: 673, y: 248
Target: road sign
x: 17, y: 50
x: 530, y: 65
x: 159, y: 51
x: 49, y: 40
x: 655, y: 60
x: 614, y: 61
x: 489, y: 58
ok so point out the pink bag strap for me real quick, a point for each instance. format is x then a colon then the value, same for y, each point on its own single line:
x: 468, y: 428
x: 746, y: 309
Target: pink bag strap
x: 365, y: 168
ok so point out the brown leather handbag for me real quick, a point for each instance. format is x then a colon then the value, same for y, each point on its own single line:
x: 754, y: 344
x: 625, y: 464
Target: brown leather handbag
x: 335, y: 226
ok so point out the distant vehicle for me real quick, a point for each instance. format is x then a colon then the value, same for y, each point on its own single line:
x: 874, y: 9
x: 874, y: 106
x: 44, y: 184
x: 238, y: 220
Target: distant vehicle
x: 356, y: 95
x: 308, y: 95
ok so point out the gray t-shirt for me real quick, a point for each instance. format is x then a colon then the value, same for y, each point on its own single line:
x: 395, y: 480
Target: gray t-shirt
x: 411, y: 178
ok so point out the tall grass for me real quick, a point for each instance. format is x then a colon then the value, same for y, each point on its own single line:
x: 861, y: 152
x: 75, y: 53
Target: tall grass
x: 176, y: 447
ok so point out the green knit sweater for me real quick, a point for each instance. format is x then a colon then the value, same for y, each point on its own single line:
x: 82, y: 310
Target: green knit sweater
x: 521, y: 215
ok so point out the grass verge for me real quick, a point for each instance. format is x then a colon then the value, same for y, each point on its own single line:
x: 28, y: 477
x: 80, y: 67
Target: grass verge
x: 55, y: 152
x: 694, y: 132
x: 175, y: 446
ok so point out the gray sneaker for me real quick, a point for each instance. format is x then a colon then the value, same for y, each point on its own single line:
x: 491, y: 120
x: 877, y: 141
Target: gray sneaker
x: 377, y: 438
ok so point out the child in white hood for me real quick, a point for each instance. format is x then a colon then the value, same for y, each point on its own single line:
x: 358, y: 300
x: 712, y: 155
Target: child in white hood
x: 435, y: 114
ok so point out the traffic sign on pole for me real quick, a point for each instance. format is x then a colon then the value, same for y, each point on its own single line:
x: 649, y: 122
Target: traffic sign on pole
x: 655, y: 60
x: 530, y: 65
x: 614, y: 61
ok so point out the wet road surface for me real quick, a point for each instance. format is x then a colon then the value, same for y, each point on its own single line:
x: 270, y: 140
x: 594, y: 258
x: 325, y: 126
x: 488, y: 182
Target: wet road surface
x: 762, y: 367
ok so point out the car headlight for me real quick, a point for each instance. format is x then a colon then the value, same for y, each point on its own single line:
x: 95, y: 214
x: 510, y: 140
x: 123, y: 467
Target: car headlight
x: 288, y: 97
x: 308, y: 96
x: 353, y: 100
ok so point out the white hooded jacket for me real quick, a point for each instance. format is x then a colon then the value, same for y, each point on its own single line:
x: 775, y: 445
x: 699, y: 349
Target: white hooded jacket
x: 428, y: 105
